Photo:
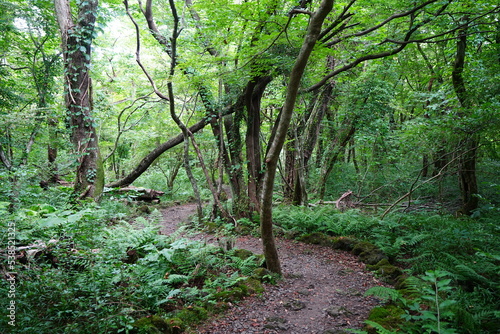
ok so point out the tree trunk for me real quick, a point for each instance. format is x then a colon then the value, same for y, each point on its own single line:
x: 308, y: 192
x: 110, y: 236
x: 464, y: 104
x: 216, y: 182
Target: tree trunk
x: 276, y: 145
x: 234, y: 167
x: 154, y: 154
x: 253, y: 96
x: 468, y: 146
x: 76, y: 44
x: 338, y: 145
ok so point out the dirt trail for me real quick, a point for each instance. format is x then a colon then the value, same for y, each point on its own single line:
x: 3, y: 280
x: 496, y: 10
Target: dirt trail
x: 322, y: 290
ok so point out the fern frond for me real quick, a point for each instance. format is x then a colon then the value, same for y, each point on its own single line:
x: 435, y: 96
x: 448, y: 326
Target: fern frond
x: 416, y: 239
x: 380, y: 329
x: 452, y: 258
x: 175, y: 279
x: 383, y: 293
x: 469, y: 273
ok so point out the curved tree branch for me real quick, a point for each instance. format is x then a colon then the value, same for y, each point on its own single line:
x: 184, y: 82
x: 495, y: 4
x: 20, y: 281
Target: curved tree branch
x: 383, y: 54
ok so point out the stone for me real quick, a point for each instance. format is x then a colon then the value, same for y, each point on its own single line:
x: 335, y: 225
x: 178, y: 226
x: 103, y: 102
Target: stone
x: 372, y: 257
x: 335, y: 311
x: 362, y: 247
x: 242, y: 253
x: 276, y: 323
x: 344, y: 243
x: 295, y: 305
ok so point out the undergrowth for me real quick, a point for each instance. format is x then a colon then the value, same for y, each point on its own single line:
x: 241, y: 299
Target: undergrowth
x: 461, y: 255
x: 87, y: 271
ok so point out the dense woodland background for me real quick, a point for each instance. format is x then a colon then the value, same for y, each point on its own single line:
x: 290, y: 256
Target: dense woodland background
x: 383, y: 115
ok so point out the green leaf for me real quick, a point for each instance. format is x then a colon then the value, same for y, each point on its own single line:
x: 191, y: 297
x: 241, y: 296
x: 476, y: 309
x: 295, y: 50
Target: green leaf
x: 447, y: 303
x: 51, y: 222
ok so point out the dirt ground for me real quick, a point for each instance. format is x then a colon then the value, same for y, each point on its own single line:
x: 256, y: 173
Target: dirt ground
x: 322, y: 290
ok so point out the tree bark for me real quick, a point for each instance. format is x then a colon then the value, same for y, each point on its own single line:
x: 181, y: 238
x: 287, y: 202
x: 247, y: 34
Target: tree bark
x: 154, y: 154
x: 253, y: 96
x: 76, y: 44
x: 339, y: 143
x: 276, y: 145
x: 467, y: 162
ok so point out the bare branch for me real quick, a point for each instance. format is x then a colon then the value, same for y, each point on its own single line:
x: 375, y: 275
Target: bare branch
x: 383, y: 54
x: 138, y: 55
x: 413, y: 188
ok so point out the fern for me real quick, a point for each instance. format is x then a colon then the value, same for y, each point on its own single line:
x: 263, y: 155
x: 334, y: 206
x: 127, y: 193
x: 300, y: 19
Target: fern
x: 384, y: 293
x: 246, y: 266
x: 468, y: 273
x: 176, y: 279
x: 416, y: 239
x: 380, y: 329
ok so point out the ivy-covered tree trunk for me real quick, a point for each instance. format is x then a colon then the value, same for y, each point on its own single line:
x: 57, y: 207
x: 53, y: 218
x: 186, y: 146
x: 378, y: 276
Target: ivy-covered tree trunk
x: 76, y: 43
x: 338, y: 145
x: 234, y: 165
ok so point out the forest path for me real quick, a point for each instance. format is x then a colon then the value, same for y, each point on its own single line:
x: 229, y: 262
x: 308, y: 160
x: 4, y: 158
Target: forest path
x: 321, y: 293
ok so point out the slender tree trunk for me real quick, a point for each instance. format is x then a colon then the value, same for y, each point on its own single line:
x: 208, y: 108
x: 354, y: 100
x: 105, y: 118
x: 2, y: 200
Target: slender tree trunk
x: 253, y: 96
x: 275, y: 146
x: 52, y: 150
x: 467, y: 162
x: 338, y: 145
x: 76, y: 44
x: 302, y: 142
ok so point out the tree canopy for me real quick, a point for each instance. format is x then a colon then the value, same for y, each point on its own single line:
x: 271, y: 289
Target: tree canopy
x: 384, y: 98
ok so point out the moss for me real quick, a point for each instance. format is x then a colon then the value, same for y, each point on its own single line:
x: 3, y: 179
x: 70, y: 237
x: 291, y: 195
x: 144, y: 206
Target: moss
x: 242, y: 253
x: 344, y: 243
x: 157, y: 325
x: 372, y: 257
x: 317, y: 238
x: 144, y: 209
x: 99, y: 180
x: 251, y: 285
x: 223, y: 296
x: 259, y: 273
x: 192, y: 314
x: 363, y: 247
x: 235, y: 293
x: 239, y: 292
x: 390, y: 272
x: 388, y: 316
x: 374, y: 267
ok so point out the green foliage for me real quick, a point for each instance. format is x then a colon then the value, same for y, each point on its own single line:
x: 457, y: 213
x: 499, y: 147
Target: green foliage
x: 428, y: 305
x: 328, y: 220
x: 457, y: 260
x: 92, y: 272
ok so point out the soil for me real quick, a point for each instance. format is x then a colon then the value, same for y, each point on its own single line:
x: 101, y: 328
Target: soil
x: 322, y: 289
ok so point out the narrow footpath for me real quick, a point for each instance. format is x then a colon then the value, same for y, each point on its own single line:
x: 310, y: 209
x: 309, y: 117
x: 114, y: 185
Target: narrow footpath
x: 322, y: 290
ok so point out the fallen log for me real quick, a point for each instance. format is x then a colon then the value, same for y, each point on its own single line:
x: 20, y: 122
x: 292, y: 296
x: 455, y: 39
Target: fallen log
x: 139, y: 194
